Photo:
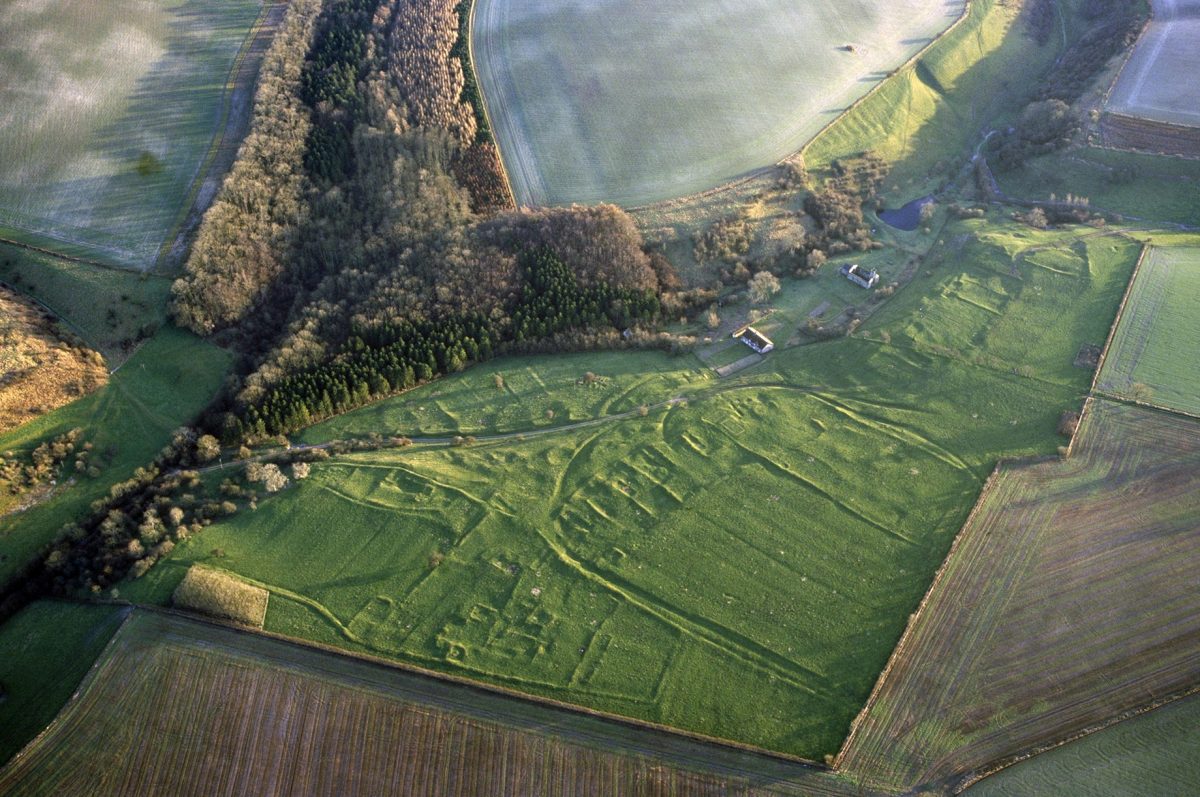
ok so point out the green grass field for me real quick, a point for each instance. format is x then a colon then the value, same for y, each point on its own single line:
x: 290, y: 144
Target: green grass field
x: 631, y: 102
x: 1152, y: 355
x: 1069, y: 599
x: 107, y: 112
x: 1140, y: 187
x: 926, y: 118
x: 988, y: 284
x: 689, y: 566
x: 163, y: 386
x: 1155, y: 753
x: 45, y: 651
x: 107, y: 308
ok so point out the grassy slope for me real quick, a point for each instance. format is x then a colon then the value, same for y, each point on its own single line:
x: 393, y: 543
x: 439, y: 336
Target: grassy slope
x: 988, y: 285
x: 1155, y: 344
x: 927, y: 117
x: 689, y: 566
x: 1081, y: 606
x: 163, y: 386
x: 634, y: 102
x: 1155, y: 753
x: 105, y: 307
x: 1162, y: 189
x: 44, y: 653
x: 111, y: 82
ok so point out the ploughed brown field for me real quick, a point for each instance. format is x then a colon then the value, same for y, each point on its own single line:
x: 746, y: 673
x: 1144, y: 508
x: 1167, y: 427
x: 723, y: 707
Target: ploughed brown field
x: 181, y: 707
x: 1069, y: 599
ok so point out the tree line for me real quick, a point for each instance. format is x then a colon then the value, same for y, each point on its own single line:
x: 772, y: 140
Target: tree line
x: 1047, y: 123
x: 358, y: 220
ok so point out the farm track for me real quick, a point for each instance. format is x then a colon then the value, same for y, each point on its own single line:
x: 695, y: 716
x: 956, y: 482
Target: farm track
x: 349, y: 725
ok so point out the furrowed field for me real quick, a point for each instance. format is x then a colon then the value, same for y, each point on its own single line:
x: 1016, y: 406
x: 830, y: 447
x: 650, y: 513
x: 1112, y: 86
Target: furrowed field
x: 238, y: 710
x: 1158, y: 82
x: 686, y: 563
x: 1069, y: 599
x: 1152, y: 356
x: 632, y: 102
x: 1155, y: 753
x: 107, y: 111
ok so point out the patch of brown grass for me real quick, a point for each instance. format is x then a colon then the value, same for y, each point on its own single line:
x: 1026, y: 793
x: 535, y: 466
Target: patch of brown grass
x: 219, y: 594
x: 40, y: 369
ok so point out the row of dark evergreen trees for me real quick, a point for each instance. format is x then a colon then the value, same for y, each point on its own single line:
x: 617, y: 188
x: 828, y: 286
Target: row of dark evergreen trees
x: 331, y: 85
x: 383, y: 358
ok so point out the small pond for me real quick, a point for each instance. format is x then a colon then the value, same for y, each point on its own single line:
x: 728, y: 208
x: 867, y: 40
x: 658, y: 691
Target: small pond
x: 908, y: 217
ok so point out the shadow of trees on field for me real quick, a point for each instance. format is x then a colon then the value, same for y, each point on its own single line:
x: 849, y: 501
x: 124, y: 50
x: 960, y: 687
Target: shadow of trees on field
x: 155, y: 148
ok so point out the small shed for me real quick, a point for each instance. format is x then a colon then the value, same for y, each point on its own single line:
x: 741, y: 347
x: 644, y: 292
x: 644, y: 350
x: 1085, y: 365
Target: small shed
x: 755, y: 340
x: 863, y: 277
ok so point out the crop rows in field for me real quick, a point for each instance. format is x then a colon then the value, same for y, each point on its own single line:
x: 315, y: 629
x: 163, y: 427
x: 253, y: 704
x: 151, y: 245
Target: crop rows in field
x: 178, y: 707
x: 1069, y: 599
x: 1148, y: 135
x: 1158, y: 82
x: 1152, y: 356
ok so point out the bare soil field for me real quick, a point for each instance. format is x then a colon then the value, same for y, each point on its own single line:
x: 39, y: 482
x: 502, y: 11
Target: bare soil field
x: 1068, y: 600
x: 246, y: 714
x: 634, y: 102
x: 1158, y: 82
x: 39, y: 370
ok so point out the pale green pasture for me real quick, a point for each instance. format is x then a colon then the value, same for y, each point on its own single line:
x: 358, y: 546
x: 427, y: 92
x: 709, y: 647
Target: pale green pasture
x: 632, y: 102
x: 107, y: 111
x: 1153, y: 353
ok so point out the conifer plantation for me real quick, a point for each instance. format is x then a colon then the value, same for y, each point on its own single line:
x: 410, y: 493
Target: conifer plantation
x: 364, y: 243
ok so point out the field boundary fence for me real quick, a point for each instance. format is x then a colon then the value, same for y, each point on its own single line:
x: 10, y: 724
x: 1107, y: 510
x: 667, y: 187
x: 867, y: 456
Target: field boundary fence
x: 480, y: 686
x: 901, y: 649
x: 1112, y: 330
